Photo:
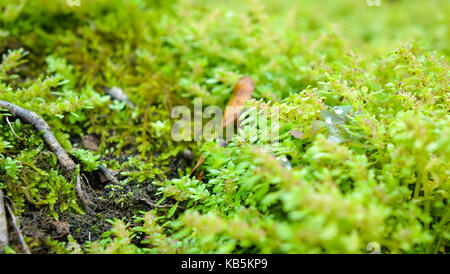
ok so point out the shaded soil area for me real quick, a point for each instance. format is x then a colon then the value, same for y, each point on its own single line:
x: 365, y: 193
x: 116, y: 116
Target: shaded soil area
x: 37, y: 223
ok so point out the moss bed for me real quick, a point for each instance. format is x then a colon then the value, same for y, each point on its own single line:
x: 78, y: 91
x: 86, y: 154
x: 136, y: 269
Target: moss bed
x: 362, y: 161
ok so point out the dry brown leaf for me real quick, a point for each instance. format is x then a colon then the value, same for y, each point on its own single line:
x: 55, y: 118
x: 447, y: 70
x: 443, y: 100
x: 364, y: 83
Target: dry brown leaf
x: 197, y: 165
x: 243, y: 90
x: 199, y: 177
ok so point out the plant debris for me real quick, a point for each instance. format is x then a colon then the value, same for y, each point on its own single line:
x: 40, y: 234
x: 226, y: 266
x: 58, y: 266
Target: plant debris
x: 242, y: 91
x: 3, y: 222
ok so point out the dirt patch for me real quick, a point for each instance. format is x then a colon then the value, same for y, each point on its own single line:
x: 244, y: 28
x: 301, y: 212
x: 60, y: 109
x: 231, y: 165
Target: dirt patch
x: 39, y: 225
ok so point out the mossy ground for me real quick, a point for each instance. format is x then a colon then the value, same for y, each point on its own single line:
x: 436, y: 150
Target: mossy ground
x: 376, y: 174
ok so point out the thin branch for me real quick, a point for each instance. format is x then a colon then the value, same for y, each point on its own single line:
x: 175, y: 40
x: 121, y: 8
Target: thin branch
x: 17, y: 229
x: 108, y: 175
x: 153, y: 204
x: 32, y: 118
x: 118, y: 94
x: 40, y: 124
x: 12, y: 129
x: 3, y: 223
x: 89, y: 185
x: 81, y: 194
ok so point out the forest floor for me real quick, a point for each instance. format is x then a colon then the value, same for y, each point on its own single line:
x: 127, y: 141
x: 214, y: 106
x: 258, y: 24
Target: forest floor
x: 89, y: 162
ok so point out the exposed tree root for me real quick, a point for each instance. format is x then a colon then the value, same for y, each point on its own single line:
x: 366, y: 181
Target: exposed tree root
x: 17, y: 229
x: 108, y: 175
x: 119, y: 94
x: 81, y: 194
x: 32, y: 118
x: 3, y: 224
x: 64, y: 159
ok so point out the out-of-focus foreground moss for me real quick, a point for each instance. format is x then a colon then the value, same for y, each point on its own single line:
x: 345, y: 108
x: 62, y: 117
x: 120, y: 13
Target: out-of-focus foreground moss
x: 375, y: 79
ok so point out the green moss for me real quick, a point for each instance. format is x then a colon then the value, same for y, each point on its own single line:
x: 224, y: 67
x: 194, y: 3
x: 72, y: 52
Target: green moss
x: 366, y: 86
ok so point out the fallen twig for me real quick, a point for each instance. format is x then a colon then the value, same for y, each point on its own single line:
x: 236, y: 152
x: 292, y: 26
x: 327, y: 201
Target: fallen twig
x: 80, y: 193
x: 3, y: 223
x: 12, y: 129
x: 118, y: 94
x: 32, y: 118
x: 16, y: 228
x: 40, y: 124
x: 108, y: 175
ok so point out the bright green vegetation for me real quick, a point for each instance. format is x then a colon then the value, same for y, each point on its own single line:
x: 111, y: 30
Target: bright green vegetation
x: 377, y: 172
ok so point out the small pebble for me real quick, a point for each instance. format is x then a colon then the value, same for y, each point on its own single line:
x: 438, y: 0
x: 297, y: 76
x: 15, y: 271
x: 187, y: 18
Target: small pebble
x: 187, y: 154
x: 90, y: 142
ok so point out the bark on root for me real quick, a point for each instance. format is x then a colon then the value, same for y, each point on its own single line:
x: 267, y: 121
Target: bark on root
x: 108, y: 175
x: 3, y: 223
x: 17, y: 229
x: 4, y: 236
x: 32, y: 118
x: 64, y: 159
